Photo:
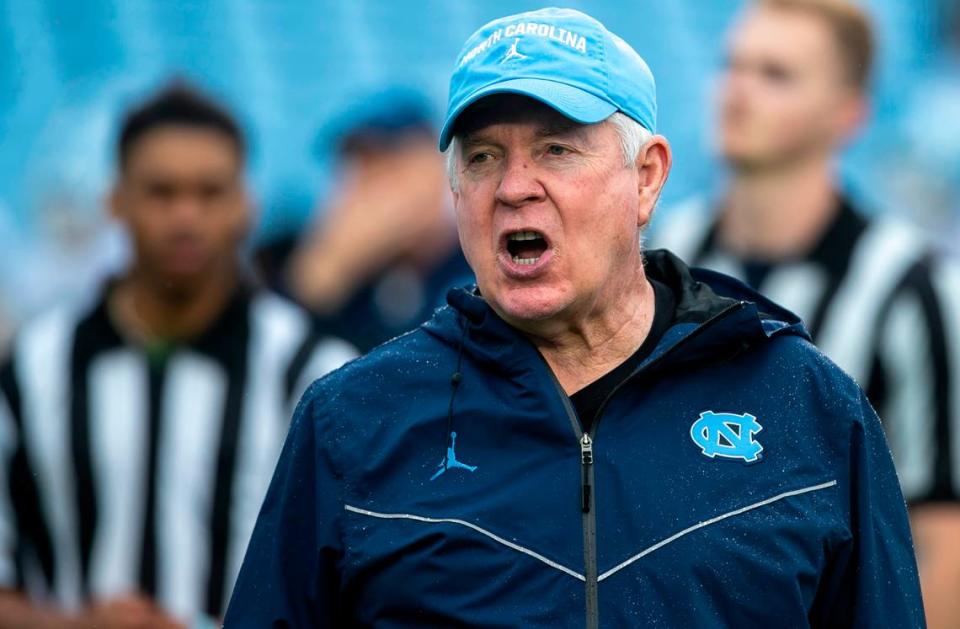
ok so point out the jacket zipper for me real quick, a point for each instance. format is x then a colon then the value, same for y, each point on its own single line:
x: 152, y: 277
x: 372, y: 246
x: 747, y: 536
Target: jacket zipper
x: 586, y: 462
x: 589, y: 518
x: 587, y: 502
x: 589, y: 533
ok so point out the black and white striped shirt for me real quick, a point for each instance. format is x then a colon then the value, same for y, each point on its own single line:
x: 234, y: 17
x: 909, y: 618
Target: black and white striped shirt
x: 129, y: 473
x: 884, y: 308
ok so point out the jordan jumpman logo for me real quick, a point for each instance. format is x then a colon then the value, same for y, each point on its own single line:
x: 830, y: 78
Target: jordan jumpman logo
x: 450, y: 461
x: 513, y: 53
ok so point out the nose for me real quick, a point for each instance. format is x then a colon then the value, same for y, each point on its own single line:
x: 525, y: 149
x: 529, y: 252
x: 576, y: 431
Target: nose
x: 734, y: 93
x: 186, y: 208
x: 739, y: 82
x: 519, y: 184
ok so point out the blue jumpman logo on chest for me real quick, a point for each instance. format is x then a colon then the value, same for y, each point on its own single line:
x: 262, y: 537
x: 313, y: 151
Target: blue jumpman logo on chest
x: 450, y: 461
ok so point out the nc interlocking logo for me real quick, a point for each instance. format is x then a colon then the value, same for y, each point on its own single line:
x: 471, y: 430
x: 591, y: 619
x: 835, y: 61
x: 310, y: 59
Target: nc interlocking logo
x: 727, y: 435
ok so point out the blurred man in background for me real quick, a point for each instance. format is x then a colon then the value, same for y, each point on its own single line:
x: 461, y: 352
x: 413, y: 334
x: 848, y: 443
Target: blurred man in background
x: 873, y: 296
x: 386, y: 250
x: 138, y: 434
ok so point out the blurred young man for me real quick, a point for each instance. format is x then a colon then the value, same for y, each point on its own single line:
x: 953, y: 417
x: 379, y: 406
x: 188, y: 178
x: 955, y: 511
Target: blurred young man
x: 874, y: 298
x: 138, y: 433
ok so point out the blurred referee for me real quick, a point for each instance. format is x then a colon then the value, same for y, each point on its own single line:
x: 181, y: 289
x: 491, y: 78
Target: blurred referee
x: 874, y: 297
x: 138, y: 433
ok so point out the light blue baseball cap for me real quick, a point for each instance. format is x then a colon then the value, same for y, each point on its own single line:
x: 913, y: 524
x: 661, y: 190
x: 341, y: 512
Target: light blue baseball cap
x: 561, y: 57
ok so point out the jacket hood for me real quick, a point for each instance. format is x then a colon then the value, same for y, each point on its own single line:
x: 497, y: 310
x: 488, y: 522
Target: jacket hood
x: 716, y: 317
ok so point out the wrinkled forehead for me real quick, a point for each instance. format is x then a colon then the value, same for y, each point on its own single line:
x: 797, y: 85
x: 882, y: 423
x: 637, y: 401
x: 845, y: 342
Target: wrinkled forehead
x: 513, y: 109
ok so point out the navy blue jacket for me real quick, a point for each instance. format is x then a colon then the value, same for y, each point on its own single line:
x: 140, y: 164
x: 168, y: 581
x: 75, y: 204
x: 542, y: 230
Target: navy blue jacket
x: 737, y: 479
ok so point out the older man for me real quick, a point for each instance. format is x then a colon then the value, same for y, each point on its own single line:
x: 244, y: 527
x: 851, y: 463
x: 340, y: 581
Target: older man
x: 592, y: 436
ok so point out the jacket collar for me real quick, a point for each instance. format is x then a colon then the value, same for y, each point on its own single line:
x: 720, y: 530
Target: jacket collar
x: 716, y: 317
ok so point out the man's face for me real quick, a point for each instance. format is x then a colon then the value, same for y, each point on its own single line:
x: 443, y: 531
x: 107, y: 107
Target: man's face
x: 181, y: 197
x: 784, y: 94
x: 547, y: 212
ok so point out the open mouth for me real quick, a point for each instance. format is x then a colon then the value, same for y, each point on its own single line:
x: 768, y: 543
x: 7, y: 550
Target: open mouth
x: 526, y: 247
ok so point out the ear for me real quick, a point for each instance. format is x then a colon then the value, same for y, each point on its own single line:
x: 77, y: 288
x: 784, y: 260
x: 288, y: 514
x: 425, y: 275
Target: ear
x: 250, y: 214
x: 851, y: 114
x: 653, y: 167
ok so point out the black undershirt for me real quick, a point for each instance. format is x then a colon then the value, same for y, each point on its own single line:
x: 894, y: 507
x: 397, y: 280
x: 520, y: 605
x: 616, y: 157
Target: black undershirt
x: 587, y: 401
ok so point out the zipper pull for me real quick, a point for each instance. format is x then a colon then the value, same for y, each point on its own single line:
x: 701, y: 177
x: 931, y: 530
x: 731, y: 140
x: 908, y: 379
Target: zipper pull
x: 586, y: 460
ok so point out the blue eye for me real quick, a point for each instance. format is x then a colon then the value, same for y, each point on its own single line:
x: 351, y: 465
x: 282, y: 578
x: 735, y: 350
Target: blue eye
x: 556, y: 149
x: 478, y: 158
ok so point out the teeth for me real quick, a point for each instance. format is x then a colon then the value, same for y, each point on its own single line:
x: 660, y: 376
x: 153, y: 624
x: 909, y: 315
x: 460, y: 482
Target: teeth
x: 519, y: 260
x: 518, y: 236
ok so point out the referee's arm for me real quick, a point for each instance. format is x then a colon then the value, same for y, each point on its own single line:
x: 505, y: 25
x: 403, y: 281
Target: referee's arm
x: 915, y: 385
x: 15, y: 610
x: 19, y: 509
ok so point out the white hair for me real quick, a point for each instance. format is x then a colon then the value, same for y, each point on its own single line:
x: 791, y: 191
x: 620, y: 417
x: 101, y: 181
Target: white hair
x: 633, y: 137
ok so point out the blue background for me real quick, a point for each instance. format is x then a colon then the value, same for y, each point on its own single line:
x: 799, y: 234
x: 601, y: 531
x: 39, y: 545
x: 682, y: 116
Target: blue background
x: 68, y: 68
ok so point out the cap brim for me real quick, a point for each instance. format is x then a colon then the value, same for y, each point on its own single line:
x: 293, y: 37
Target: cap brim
x: 573, y: 102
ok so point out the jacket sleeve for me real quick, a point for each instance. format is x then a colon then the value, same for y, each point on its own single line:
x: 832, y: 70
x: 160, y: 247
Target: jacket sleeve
x: 289, y: 576
x: 871, y: 579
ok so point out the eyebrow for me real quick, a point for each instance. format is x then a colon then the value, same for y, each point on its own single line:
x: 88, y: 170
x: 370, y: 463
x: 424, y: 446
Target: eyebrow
x: 558, y: 128
x: 473, y: 139
x: 561, y: 128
